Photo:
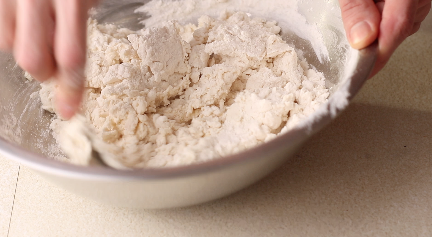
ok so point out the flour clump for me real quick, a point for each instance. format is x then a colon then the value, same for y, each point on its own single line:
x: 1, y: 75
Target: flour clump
x: 177, y: 94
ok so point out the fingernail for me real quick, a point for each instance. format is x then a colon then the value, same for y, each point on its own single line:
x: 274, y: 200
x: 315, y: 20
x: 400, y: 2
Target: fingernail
x: 359, y: 34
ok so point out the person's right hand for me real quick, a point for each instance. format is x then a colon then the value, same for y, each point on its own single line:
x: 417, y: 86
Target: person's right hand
x: 48, y: 40
x: 389, y: 21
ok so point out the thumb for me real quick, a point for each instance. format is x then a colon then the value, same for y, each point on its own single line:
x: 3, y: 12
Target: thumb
x: 361, y: 20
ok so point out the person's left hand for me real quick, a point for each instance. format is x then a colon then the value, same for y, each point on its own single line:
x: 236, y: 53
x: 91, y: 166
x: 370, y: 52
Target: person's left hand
x: 389, y: 21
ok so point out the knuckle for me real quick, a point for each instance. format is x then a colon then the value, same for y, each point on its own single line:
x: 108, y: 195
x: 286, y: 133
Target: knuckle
x: 93, y: 3
x: 71, y: 59
x: 6, y: 35
x: 30, y: 2
x: 71, y: 65
x: 6, y: 43
x: 350, y: 9
x: 29, y: 62
x: 72, y: 82
x: 78, y: 3
x: 349, y: 6
x: 415, y: 28
x: 37, y: 64
x: 422, y: 13
x: 405, y: 26
x: 355, y: 11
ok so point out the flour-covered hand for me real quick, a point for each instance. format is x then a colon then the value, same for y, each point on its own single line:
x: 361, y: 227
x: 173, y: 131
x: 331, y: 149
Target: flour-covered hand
x: 389, y: 21
x: 48, y: 40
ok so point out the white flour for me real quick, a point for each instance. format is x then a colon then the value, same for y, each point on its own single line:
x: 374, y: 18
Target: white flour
x: 179, y: 94
x: 9, y: 128
x: 285, y: 12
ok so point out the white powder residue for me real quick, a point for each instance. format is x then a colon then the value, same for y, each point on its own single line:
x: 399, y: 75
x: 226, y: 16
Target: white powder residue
x: 285, y: 12
x: 9, y: 129
x: 180, y: 94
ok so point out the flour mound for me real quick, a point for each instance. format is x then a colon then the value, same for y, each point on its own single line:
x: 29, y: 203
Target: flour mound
x: 180, y: 94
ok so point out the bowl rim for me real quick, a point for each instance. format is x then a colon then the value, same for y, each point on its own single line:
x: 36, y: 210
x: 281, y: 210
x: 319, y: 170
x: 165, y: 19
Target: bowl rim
x: 365, y: 63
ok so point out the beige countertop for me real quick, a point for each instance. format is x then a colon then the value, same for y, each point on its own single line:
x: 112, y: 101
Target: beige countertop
x: 368, y: 174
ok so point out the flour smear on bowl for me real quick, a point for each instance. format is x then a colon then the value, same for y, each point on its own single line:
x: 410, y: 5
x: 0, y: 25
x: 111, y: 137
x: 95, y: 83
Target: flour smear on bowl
x: 180, y: 93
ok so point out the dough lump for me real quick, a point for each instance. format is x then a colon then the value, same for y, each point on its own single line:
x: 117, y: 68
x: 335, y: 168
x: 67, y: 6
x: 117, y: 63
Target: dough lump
x: 180, y: 94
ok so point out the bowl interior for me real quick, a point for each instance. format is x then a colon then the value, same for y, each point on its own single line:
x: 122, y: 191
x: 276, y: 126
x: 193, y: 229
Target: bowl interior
x: 320, y: 39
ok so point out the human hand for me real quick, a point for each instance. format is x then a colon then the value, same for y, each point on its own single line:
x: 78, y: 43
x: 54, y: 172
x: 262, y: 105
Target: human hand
x: 48, y: 40
x: 389, y: 21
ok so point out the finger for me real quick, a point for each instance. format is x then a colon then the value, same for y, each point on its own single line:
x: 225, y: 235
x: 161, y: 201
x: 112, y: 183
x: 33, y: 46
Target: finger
x: 92, y: 3
x: 422, y: 13
x: 32, y: 49
x: 380, y: 6
x: 396, y: 25
x: 70, y: 53
x: 415, y: 28
x: 361, y: 20
x: 423, y: 3
x: 7, y: 24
